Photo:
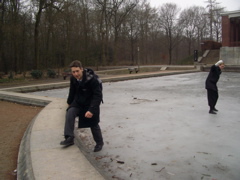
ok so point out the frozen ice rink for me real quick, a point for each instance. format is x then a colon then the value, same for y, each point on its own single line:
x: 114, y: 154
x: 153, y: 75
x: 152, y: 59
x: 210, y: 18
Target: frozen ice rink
x: 159, y: 128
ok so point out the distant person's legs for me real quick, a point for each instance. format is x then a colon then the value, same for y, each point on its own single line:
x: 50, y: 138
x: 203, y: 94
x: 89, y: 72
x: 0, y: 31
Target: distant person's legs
x: 212, y: 100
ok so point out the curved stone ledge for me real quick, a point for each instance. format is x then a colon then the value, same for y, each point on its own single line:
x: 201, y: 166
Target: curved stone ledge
x: 24, y: 163
x: 24, y: 99
x: 40, y: 155
x: 37, y: 87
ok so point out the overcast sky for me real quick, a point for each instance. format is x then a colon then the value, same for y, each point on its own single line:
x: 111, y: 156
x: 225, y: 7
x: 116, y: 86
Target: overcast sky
x: 230, y: 5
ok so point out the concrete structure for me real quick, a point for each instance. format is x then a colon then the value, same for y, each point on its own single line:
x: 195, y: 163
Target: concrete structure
x: 230, y: 50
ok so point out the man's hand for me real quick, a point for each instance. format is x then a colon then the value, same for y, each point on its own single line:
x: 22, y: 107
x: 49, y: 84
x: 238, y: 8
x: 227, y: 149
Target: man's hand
x: 88, y: 114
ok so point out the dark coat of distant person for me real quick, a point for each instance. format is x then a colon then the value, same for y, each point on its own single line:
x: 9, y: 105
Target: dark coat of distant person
x: 213, y: 77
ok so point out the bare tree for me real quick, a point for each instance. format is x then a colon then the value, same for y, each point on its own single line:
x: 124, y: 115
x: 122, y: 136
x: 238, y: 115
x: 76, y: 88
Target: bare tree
x: 120, y: 10
x: 168, y: 14
x: 3, y: 62
x: 201, y: 23
x: 40, y: 5
x: 10, y: 30
x: 104, y: 16
x: 189, y: 20
x: 214, y: 15
x: 132, y: 33
x: 217, y: 23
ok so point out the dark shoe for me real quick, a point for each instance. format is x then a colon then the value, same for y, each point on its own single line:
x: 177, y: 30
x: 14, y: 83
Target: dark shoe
x: 212, y: 112
x: 68, y: 141
x: 214, y: 109
x: 98, y: 147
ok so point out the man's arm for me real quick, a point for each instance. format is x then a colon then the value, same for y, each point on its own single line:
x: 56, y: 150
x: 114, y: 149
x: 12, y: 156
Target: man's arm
x: 72, y: 91
x: 97, y: 96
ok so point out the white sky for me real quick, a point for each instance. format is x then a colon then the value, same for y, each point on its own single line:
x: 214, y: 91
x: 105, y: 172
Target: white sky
x: 230, y: 5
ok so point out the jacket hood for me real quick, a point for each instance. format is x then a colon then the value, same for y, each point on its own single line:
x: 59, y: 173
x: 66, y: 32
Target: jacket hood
x: 88, y: 74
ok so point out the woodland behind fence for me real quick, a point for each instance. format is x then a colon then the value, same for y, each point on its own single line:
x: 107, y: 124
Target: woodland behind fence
x: 42, y: 34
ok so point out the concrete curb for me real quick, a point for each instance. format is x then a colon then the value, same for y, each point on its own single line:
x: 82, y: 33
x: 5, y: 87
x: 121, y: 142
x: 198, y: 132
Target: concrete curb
x: 146, y: 75
x: 37, y: 87
x: 24, y: 99
x: 111, y: 78
x: 24, y: 166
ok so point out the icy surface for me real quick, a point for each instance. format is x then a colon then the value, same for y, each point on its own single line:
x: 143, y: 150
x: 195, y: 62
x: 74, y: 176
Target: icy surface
x: 160, y: 128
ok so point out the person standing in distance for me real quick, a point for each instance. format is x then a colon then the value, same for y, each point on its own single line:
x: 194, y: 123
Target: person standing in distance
x: 211, y: 85
x: 84, y: 99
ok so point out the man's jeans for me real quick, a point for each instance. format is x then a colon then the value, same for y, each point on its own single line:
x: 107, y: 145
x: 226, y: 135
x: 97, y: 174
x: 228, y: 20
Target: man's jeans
x: 71, y: 115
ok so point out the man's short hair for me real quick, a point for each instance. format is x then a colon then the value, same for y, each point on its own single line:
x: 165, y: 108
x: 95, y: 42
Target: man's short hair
x: 76, y: 63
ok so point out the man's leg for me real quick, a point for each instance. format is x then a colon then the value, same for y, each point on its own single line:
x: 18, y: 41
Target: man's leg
x: 97, y: 136
x: 215, y: 100
x: 71, y: 114
x: 211, y: 100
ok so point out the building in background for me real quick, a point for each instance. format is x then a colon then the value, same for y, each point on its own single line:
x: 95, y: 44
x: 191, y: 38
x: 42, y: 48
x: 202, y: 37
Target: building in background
x: 230, y: 50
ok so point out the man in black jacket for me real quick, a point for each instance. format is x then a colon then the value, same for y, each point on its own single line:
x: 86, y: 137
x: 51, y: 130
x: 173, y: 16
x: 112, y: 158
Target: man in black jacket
x: 211, y: 85
x: 84, y: 99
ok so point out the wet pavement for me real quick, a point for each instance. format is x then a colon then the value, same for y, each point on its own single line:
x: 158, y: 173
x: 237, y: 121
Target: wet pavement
x: 160, y: 128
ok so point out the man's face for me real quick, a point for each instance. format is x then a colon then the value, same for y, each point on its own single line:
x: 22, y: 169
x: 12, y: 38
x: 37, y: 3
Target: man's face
x: 221, y: 66
x: 77, y: 72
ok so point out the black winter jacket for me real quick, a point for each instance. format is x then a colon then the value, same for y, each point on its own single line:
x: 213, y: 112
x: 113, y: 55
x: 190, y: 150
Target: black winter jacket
x: 213, y: 77
x: 87, y: 96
